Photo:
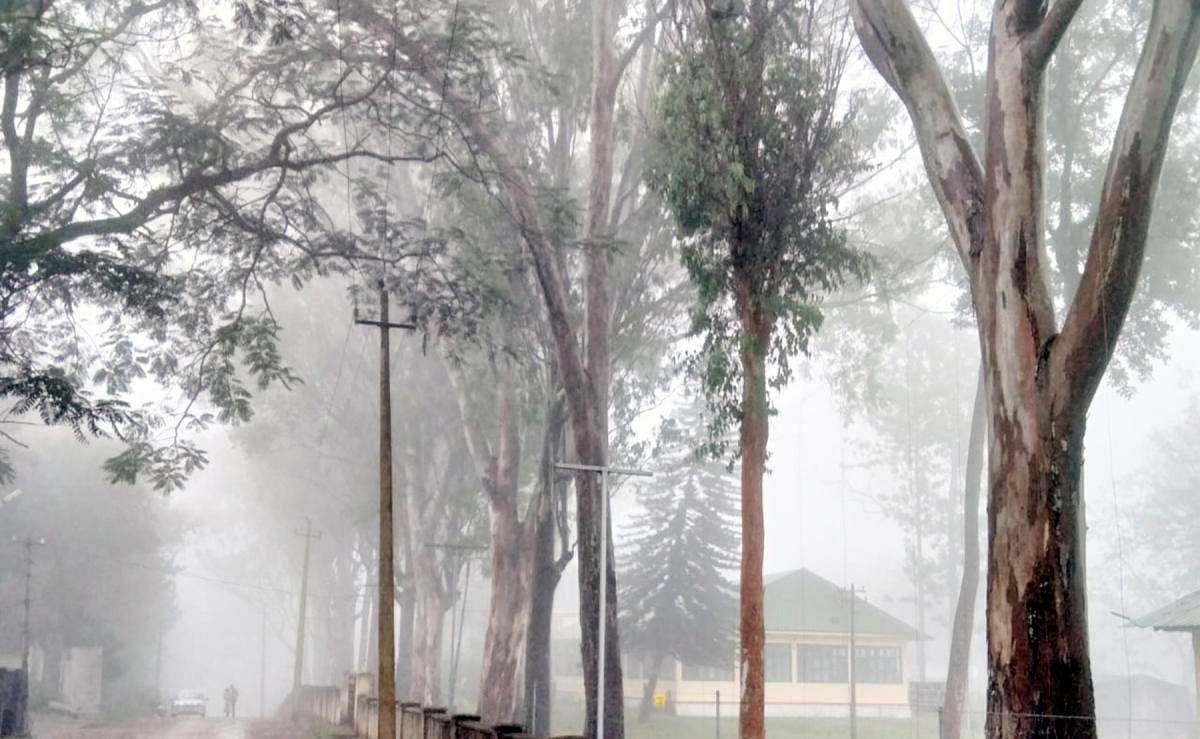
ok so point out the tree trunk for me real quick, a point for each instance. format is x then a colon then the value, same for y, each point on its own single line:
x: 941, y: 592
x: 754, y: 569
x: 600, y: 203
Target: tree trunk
x: 954, y: 710
x: 1038, y: 664
x: 1039, y: 380
x: 433, y: 599
x: 430, y: 627
x: 590, y: 538
x: 547, y: 571
x: 537, y: 643
x: 756, y: 338
x: 500, y: 699
x: 1037, y: 607
x: 511, y: 577
x: 584, y: 369
x: 649, y: 688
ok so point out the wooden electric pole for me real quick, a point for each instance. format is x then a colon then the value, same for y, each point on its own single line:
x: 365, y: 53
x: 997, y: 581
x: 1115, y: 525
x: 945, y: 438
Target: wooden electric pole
x: 387, y: 583
x: 298, y: 670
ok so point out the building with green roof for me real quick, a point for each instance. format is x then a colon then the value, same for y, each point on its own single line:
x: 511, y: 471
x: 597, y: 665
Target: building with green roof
x: 807, y: 658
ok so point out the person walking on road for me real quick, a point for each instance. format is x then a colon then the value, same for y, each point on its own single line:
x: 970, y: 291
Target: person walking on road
x: 228, y: 700
x: 231, y: 691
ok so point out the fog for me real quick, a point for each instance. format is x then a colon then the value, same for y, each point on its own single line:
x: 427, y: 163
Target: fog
x: 731, y: 289
x: 235, y: 585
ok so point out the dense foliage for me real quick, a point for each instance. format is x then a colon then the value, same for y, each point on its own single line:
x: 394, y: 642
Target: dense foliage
x: 751, y: 160
x: 158, y: 168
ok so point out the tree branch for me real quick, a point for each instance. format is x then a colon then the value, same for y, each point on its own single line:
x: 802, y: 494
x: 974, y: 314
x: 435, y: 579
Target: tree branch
x: 897, y: 48
x: 527, y: 217
x: 1050, y: 32
x: 1117, y: 250
x: 149, y: 206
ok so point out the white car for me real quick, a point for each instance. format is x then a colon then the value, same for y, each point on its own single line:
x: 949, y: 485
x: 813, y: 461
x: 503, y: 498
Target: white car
x: 189, y: 701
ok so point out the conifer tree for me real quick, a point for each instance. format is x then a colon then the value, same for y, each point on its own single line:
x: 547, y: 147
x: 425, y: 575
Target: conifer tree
x: 678, y: 600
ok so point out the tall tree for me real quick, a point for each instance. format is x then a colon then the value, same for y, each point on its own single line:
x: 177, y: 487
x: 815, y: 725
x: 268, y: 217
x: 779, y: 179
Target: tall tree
x: 581, y: 346
x: 741, y: 86
x: 1040, y: 374
x: 678, y: 599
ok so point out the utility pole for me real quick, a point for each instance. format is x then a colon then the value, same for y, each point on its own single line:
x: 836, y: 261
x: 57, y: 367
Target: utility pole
x: 853, y: 677
x: 298, y: 671
x: 28, y: 542
x: 387, y: 583
x: 604, y: 471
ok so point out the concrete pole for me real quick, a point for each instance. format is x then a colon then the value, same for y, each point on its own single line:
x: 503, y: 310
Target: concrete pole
x: 298, y: 668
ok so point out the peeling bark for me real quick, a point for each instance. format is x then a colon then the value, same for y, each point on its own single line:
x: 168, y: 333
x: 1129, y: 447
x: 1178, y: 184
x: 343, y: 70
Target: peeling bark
x: 511, y: 576
x: 1039, y: 380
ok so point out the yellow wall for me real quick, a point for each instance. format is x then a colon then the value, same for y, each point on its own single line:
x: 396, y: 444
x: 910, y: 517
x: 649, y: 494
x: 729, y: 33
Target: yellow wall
x: 833, y: 694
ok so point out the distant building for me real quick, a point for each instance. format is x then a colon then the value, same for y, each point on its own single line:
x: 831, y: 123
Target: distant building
x: 37, y: 662
x: 807, y: 659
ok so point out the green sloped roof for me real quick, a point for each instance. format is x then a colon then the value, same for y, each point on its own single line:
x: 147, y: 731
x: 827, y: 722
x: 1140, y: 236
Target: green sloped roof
x: 801, y: 600
x: 1182, y: 615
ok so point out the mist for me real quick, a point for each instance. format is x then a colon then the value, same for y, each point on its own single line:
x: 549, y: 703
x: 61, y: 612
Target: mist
x: 776, y: 368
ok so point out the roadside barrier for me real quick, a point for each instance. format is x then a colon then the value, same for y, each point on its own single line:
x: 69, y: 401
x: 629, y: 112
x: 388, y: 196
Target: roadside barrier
x: 354, y: 707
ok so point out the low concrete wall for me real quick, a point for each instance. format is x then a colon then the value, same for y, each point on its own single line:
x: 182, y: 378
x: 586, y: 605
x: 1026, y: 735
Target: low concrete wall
x: 12, y: 702
x: 413, y: 721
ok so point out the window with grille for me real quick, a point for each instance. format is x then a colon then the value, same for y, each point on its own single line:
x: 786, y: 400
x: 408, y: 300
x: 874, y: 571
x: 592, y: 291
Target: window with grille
x: 877, y: 665
x: 823, y: 663
x: 777, y: 663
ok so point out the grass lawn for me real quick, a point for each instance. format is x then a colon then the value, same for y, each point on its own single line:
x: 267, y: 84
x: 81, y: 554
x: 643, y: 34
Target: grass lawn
x: 568, y: 719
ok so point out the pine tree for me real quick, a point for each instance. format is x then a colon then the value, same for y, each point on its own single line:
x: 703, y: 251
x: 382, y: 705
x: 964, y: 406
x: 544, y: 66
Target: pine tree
x: 678, y: 600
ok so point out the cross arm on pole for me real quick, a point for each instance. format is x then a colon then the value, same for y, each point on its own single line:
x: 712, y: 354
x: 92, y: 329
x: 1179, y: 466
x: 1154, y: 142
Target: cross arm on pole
x: 602, y: 603
x: 384, y: 324
x: 602, y: 468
